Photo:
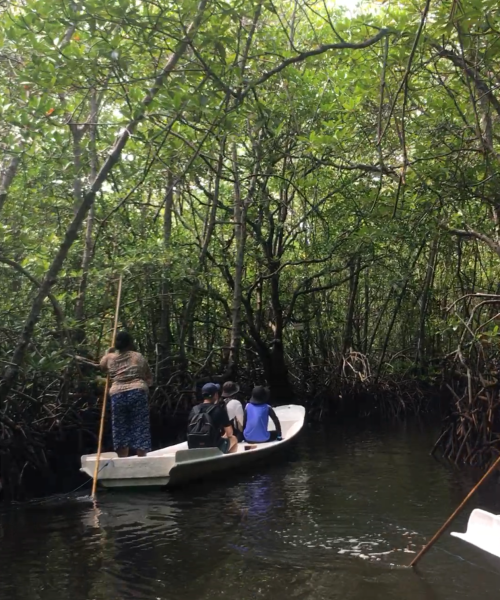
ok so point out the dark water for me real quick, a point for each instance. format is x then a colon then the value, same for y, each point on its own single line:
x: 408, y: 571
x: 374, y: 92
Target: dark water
x: 338, y: 520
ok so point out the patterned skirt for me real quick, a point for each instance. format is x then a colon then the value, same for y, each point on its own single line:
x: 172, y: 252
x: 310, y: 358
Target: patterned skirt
x: 130, y: 420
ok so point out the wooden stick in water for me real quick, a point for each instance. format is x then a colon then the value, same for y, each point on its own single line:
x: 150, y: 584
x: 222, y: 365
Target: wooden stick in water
x: 448, y: 522
x: 106, y: 391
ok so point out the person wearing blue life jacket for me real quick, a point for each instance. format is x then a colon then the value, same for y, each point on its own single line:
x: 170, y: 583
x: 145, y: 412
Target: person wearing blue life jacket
x: 257, y: 413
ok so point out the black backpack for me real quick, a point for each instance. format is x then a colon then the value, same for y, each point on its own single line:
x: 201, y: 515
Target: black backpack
x: 201, y: 432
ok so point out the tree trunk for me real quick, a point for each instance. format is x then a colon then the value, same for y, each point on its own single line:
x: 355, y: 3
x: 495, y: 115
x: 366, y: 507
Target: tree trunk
x: 77, y: 132
x: 424, y: 302
x: 165, y: 332
x: 71, y: 233
x: 396, y: 311
x: 239, y: 215
x: 366, y: 321
x: 7, y: 177
x: 275, y: 366
x: 87, y: 250
x: 276, y: 372
x: 353, y: 290
x: 240, y: 234
x: 209, y: 230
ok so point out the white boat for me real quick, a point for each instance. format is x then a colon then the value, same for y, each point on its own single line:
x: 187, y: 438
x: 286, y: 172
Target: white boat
x: 177, y: 465
x: 483, y: 531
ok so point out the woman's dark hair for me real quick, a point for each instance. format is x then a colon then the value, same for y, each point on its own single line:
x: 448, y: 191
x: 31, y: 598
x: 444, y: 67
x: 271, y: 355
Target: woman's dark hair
x: 124, y: 341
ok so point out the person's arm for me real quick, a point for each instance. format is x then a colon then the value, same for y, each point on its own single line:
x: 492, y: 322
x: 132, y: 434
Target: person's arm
x: 239, y: 414
x: 148, y: 375
x: 245, y: 418
x: 276, y: 421
x: 226, y: 423
x: 103, y: 365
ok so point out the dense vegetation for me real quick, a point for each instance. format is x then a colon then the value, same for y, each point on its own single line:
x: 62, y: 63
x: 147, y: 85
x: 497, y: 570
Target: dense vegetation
x: 293, y: 193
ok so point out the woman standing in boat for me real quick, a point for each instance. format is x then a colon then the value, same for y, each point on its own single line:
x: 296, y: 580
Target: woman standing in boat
x: 131, y: 376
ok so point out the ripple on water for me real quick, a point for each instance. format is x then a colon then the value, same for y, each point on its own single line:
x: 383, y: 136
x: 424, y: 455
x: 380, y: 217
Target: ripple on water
x: 330, y: 524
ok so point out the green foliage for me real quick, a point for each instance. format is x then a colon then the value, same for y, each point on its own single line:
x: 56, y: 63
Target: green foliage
x: 326, y: 194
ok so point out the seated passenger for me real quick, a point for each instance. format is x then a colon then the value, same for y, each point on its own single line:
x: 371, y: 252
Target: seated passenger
x: 208, y: 421
x: 234, y: 408
x: 257, y: 413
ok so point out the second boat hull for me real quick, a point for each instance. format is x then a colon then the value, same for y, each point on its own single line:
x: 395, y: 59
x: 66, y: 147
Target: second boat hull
x: 483, y: 531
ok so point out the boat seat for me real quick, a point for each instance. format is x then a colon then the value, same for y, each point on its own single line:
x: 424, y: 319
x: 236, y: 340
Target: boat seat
x: 194, y: 454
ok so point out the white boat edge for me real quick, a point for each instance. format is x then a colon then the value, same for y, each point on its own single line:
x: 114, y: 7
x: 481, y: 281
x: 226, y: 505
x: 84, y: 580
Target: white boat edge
x: 177, y: 465
x: 483, y: 531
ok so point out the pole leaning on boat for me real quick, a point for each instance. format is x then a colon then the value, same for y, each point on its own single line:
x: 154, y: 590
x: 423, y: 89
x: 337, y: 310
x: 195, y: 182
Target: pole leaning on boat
x: 437, y: 535
x: 106, y: 391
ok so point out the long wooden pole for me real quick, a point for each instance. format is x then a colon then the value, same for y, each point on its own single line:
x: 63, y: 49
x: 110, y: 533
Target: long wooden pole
x: 106, y: 391
x: 427, y: 547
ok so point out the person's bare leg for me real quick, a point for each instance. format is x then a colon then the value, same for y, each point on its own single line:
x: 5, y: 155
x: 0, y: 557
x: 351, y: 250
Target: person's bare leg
x: 122, y: 452
x: 141, y: 452
x: 233, y: 444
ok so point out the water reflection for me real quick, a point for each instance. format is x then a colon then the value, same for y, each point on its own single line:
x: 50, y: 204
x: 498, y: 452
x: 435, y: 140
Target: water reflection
x: 336, y: 521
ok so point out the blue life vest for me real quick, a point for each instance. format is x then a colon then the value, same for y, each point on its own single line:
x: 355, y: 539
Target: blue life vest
x: 257, y: 420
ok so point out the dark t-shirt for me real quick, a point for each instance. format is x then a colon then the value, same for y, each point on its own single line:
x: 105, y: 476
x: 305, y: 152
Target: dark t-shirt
x: 218, y: 415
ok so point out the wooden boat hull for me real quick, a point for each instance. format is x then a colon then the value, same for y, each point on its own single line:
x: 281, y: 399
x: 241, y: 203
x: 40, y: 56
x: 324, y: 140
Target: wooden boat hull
x: 483, y: 531
x: 177, y: 465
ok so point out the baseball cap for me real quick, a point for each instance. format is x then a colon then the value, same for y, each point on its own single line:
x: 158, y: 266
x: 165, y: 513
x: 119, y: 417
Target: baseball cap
x: 209, y: 390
